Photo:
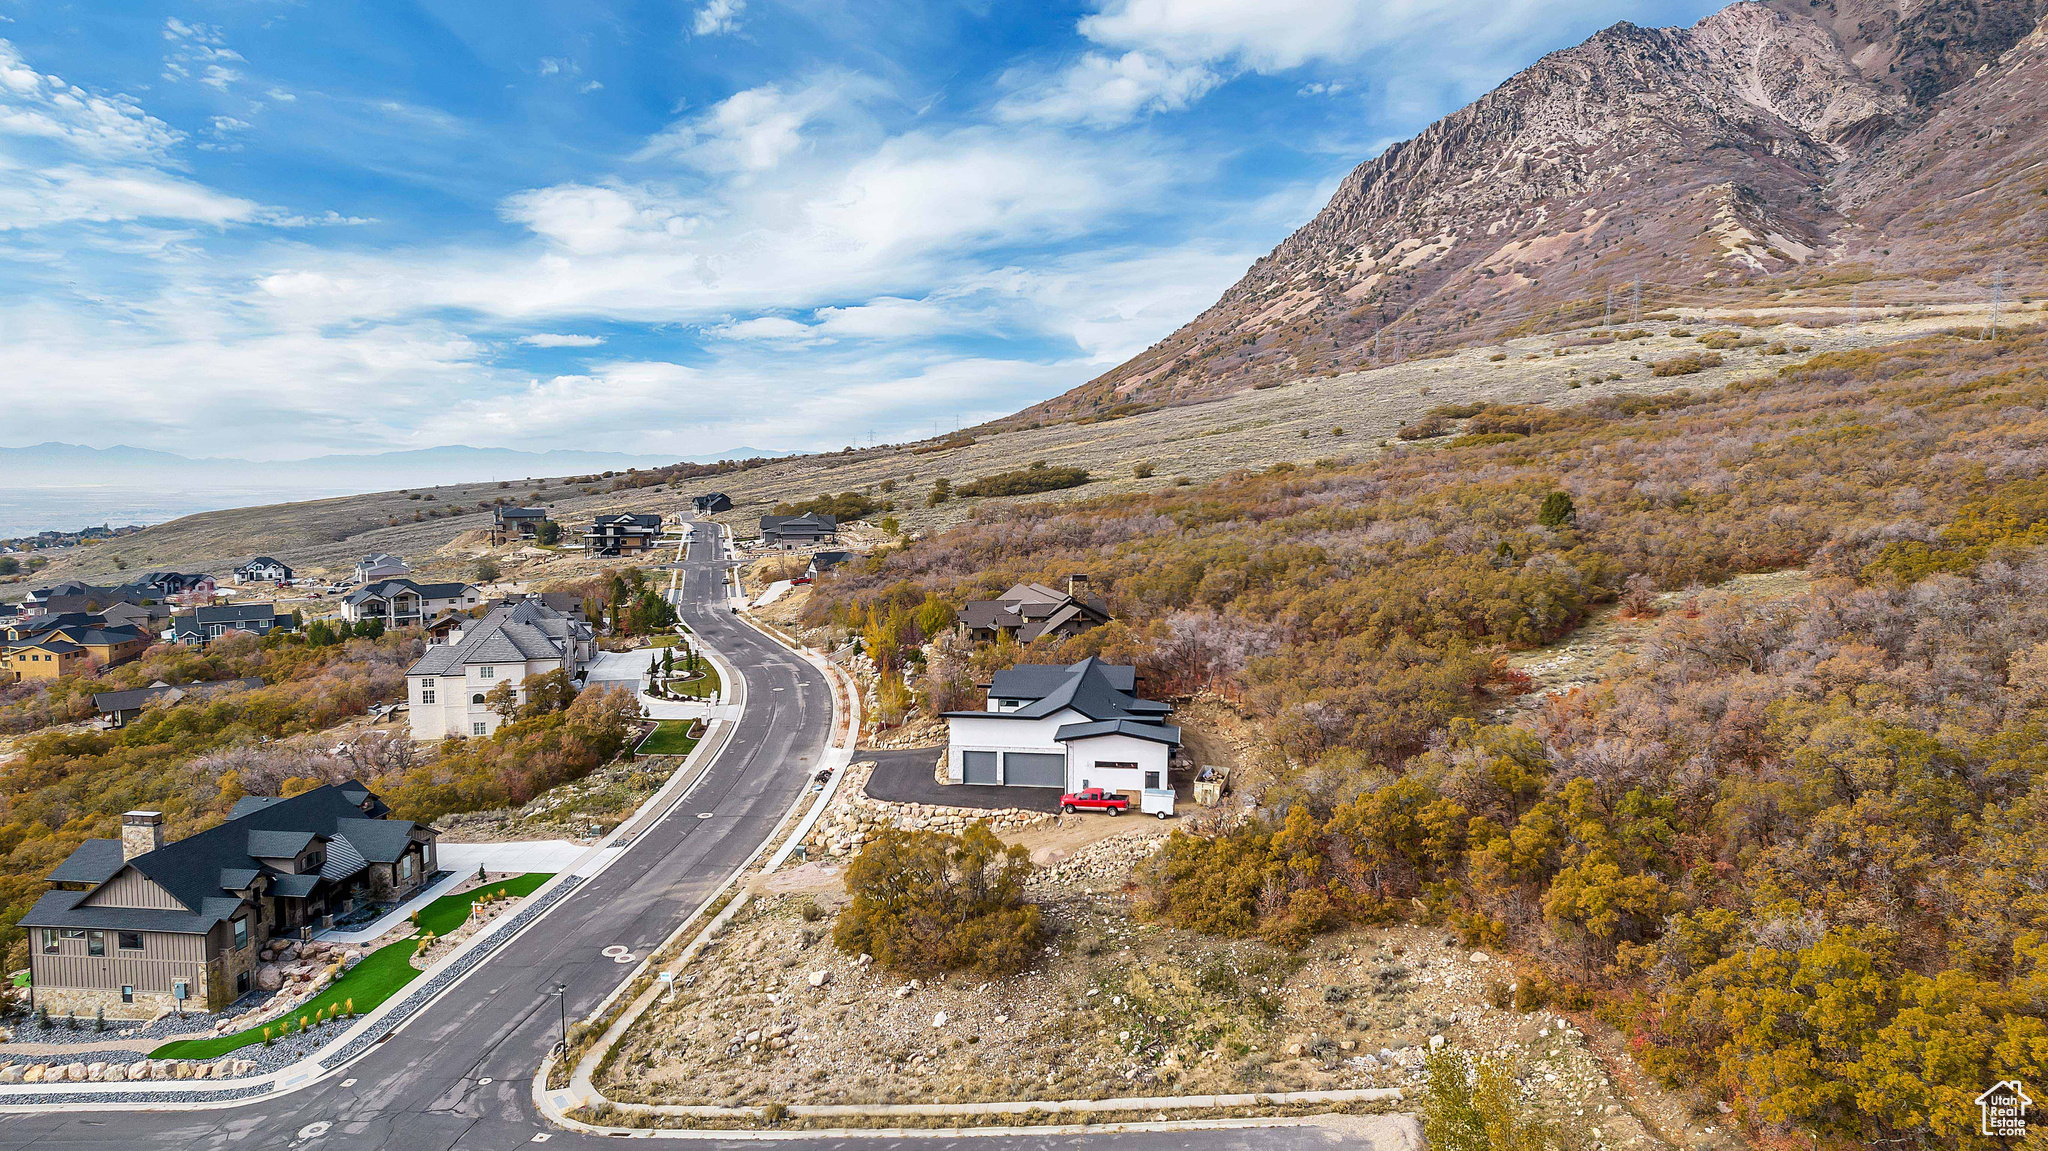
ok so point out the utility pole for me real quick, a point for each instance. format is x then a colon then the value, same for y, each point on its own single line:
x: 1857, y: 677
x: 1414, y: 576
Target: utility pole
x: 1997, y: 298
x: 562, y: 999
x: 1635, y: 303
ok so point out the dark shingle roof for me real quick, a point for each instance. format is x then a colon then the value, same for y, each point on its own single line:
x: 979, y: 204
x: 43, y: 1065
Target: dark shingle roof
x: 1100, y: 691
x: 1156, y: 732
x: 192, y: 869
x: 94, y: 861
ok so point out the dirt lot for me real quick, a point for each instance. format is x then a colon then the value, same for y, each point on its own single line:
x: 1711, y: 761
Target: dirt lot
x: 1253, y: 429
x: 1115, y: 1007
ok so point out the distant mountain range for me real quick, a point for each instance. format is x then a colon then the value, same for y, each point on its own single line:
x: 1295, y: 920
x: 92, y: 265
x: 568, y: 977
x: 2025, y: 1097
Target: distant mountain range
x: 59, y: 486
x: 1810, y: 144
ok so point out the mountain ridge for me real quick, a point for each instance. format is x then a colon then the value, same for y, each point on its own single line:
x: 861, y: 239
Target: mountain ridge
x: 1771, y: 140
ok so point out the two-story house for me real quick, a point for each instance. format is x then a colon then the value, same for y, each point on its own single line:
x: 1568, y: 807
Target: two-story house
x: 135, y: 926
x: 711, y: 503
x: 448, y: 688
x: 48, y: 646
x: 263, y: 569
x: 1031, y: 610
x: 403, y: 603
x: 808, y: 528
x: 1071, y: 727
x: 166, y: 585
x: 623, y: 534
x: 508, y: 524
x: 205, y: 624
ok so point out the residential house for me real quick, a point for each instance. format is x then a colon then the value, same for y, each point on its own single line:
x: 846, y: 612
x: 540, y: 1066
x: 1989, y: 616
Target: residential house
x: 711, y: 503
x: 136, y: 926
x: 822, y: 562
x: 263, y: 569
x: 122, y: 707
x: 380, y: 566
x: 403, y: 603
x: 205, y: 624
x: 46, y: 647
x: 808, y: 528
x: 78, y: 596
x: 509, y: 524
x: 447, y: 687
x: 1031, y: 610
x: 151, y: 618
x: 623, y: 534
x: 166, y: 585
x: 1071, y: 727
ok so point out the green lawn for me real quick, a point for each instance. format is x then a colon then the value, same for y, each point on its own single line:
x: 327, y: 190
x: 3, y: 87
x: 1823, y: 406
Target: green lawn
x: 380, y: 975
x: 670, y: 737
x: 700, y: 688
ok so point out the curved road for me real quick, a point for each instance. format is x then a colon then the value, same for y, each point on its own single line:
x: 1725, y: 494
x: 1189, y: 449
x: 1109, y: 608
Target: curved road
x: 458, y: 1075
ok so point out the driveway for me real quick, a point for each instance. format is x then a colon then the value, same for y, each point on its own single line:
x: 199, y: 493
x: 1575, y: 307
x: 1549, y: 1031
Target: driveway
x: 906, y: 777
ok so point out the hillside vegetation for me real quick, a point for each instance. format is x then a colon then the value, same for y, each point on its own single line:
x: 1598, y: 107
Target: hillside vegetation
x: 1794, y: 846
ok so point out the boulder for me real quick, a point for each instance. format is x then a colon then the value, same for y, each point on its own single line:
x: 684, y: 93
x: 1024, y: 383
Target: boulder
x: 939, y: 1020
x: 288, y: 952
x: 34, y: 1074
x: 139, y: 1069
x: 820, y: 978
x: 10, y: 1072
x: 115, y: 1074
x: 96, y: 1071
x: 181, y: 1070
x: 268, y: 977
x: 75, y: 1072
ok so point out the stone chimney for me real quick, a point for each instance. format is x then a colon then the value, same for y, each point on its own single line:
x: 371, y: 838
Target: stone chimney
x: 1076, y: 585
x: 141, y: 832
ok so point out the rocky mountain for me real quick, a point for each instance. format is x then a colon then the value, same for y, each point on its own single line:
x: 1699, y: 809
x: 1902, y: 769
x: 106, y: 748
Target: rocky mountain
x: 1647, y: 167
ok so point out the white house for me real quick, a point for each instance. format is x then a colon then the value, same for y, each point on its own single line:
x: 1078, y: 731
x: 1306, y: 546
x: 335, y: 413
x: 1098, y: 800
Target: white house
x: 403, y: 603
x: 263, y: 569
x: 380, y: 566
x: 447, y: 686
x: 1069, y: 727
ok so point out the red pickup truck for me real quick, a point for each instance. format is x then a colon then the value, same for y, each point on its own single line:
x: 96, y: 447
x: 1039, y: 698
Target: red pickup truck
x: 1094, y: 799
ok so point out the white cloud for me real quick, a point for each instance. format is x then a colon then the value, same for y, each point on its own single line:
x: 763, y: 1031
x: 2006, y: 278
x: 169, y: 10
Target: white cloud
x: 558, y: 340
x: 68, y: 155
x: 588, y: 220
x: 199, y: 47
x: 756, y: 129
x: 1275, y: 35
x: 718, y: 16
x: 764, y: 328
x: 1104, y: 91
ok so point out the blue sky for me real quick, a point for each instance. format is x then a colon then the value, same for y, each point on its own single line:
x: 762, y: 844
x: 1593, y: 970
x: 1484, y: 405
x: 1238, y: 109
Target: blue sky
x: 273, y: 229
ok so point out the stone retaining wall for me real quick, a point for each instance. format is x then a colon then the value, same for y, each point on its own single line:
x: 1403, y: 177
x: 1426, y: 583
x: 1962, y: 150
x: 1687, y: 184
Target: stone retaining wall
x: 854, y: 817
x: 140, y: 1069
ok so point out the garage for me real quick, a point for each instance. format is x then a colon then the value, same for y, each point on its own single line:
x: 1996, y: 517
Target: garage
x: 1034, y: 769
x: 978, y: 766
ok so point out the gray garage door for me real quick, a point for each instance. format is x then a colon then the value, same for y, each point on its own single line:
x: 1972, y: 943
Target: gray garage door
x: 978, y: 766
x: 1034, y: 769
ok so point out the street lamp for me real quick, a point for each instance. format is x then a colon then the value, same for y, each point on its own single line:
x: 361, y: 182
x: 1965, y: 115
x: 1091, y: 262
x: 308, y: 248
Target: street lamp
x: 562, y: 1001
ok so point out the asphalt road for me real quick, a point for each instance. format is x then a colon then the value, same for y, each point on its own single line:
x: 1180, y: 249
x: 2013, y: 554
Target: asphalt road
x: 458, y: 1075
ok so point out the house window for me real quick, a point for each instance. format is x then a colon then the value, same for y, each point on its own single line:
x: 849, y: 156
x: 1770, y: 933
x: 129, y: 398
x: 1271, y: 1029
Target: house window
x: 476, y: 728
x: 241, y: 932
x: 405, y: 868
x: 49, y: 941
x: 1152, y: 781
x: 315, y: 861
x: 96, y: 943
x: 242, y: 983
x: 127, y: 993
x: 74, y: 933
x: 128, y: 940
x: 477, y: 698
x: 427, y: 694
x: 487, y: 673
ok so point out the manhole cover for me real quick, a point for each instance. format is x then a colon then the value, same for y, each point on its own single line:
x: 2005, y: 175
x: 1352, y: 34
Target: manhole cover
x: 315, y: 1130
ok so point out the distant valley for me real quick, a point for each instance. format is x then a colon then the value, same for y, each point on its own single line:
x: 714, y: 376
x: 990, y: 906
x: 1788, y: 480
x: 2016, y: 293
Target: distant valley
x: 63, y: 487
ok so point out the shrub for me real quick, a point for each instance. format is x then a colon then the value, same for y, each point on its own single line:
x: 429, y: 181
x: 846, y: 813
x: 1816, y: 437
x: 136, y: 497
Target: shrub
x: 925, y: 902
x: 1686, y: 364
x: 1470, y: 1105
x: 1144, y: 470
x: 1039, y: 477
x: 1556, y: 511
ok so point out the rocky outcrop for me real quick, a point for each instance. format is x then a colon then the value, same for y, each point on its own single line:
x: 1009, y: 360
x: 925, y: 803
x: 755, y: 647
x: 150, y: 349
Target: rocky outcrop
x: 1769, y: 138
